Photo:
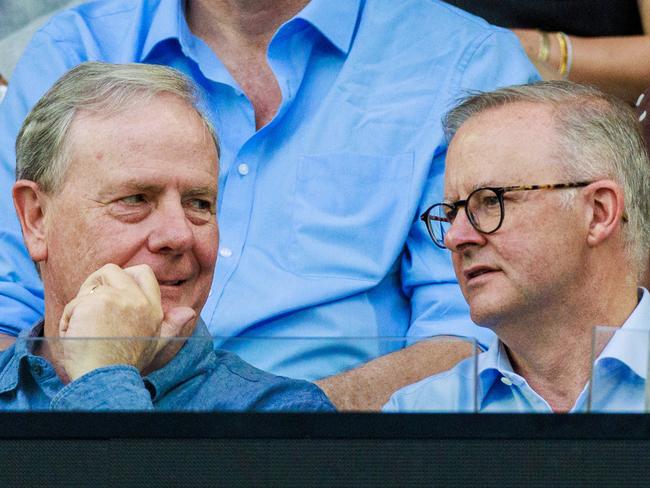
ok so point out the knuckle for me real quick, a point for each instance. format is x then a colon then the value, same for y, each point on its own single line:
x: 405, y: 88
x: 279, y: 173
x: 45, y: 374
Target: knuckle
x: 110, y: 267
x: 142, y: 269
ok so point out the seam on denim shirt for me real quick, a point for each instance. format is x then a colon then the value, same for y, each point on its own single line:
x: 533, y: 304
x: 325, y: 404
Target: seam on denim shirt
x: 12, y: 365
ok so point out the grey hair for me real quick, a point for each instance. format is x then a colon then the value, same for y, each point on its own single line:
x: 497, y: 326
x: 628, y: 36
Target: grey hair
x: 599, y: 136
x: 42, y: 146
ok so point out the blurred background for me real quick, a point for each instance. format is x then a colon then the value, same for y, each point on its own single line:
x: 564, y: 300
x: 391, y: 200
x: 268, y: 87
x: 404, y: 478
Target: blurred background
x: 19, y: 19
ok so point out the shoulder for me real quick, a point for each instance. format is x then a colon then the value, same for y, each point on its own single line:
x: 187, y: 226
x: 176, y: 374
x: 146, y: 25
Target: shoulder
x: 255, y: 389
x: 442, y: 47
x: 5, y: 358
x: 98, y: 22
x: 9, y: 363
x: 450, y: 391
x: 430, y: 18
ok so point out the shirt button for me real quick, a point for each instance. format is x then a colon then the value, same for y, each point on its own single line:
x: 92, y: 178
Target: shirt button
x: 38, y: 370
x: 225, y: 252
x: 243, y: 169
x: 506, y: 381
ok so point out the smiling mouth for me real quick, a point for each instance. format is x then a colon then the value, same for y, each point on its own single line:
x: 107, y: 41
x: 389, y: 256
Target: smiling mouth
x: 171, y: 283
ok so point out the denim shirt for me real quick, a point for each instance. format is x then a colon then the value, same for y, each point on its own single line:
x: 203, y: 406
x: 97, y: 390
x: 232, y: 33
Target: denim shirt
x: 198, y: 378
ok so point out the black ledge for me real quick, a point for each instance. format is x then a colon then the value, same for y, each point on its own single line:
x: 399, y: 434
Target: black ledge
x: 78, y: 425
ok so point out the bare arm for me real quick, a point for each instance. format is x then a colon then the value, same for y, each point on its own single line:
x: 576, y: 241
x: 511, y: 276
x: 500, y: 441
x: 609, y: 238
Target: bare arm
x: 615, y: 64
x: 368, y: 387
x: 6, y: 341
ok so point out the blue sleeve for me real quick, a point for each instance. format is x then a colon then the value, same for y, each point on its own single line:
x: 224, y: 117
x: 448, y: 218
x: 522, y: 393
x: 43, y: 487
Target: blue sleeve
x: 21, y: 291
x: 288, y: 395
x: 112, y: 388
x: 437, y: 305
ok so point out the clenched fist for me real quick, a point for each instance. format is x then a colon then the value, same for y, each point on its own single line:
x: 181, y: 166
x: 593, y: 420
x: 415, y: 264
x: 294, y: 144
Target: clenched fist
x: 123, y: 306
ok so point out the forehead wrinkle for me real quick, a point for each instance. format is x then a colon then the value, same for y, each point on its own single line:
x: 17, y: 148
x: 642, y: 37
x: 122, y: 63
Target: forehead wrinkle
x: 143, y: 187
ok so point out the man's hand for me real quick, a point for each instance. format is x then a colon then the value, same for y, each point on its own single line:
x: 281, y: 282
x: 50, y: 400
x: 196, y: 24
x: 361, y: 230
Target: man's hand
x: 117, y: 304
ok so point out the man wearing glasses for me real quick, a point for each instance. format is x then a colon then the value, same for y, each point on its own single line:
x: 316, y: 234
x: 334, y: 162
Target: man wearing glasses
x: 546, y: 215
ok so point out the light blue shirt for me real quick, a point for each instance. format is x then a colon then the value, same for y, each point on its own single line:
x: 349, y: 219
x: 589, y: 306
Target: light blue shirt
x: 617, y: 385
x: 318, y: 210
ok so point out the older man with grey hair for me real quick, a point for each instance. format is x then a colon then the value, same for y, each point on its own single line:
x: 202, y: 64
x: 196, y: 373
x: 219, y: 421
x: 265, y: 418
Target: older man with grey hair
x: 116, y: 196
x: 547, y: 217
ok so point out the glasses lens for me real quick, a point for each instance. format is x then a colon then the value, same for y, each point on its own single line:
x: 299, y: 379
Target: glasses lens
x: 438, y: 223
x: 485, y: 210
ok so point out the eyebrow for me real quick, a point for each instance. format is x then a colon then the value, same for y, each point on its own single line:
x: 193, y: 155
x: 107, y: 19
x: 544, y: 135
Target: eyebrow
x: 476, y: 186
x: 485, y: 184
x: 201, y: 191
x: 154, y: 188
x: 472, y: 188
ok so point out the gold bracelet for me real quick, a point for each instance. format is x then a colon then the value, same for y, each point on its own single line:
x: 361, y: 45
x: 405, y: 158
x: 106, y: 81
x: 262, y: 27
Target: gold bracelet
x: 544, y: 50
x: 564, y: 54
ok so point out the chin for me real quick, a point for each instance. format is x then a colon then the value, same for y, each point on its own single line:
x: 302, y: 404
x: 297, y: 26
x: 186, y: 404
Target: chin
x: 485, y: 314
x: 486, y: 320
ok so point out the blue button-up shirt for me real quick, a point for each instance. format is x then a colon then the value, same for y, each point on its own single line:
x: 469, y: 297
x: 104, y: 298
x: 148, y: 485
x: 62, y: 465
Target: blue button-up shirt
x: 198, y: 378
x: 318, y: 210
x: 487, y: 383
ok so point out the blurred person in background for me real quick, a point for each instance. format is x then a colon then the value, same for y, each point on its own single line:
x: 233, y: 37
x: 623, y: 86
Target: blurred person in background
x: 600, y: 42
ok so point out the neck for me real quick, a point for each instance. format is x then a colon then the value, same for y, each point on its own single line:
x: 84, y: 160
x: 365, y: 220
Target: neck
x: 553, y: 348
x: 239, y: 33
x: 242, y: 22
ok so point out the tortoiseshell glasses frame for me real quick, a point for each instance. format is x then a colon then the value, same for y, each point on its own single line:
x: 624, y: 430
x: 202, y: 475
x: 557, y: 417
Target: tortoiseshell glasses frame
x: 484, y: 209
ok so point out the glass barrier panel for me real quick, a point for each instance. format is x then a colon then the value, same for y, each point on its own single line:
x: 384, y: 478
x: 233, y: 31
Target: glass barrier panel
x: 190, y: 374
x: 619, y: 371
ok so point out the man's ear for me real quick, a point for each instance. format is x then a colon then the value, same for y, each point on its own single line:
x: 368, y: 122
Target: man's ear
x: 606, y: 203
x: 30, y: 202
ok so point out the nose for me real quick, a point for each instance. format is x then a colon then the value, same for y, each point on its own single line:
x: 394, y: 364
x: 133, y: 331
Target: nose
x: 172, y: 232
x: 462, y: 234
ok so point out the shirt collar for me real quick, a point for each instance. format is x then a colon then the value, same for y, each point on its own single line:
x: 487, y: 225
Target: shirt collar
x: 630, y: 348
x: 629, y: 344
x: 166, y: 22
x: 192, y: 359
x: 334, y: 19
x: 493, y: 365
x: 21, y: 349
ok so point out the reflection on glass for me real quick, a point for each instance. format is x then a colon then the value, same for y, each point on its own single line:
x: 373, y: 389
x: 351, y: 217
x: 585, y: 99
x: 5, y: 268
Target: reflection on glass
x: 309, y: 358
x: 191, y: 375
x: 454, y: 391
x: 488, y: 382
x: 183, y: 374
x: 80, y: 374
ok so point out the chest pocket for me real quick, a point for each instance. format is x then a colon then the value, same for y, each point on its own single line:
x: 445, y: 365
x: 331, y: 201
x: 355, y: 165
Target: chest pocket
x: 351, y: 214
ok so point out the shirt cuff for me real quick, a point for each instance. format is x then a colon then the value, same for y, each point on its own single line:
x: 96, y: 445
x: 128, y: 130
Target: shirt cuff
x: 115, y: 387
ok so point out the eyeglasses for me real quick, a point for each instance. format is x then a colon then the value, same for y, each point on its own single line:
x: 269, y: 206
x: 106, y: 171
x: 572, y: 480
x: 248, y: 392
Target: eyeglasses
x: 484, y: 209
